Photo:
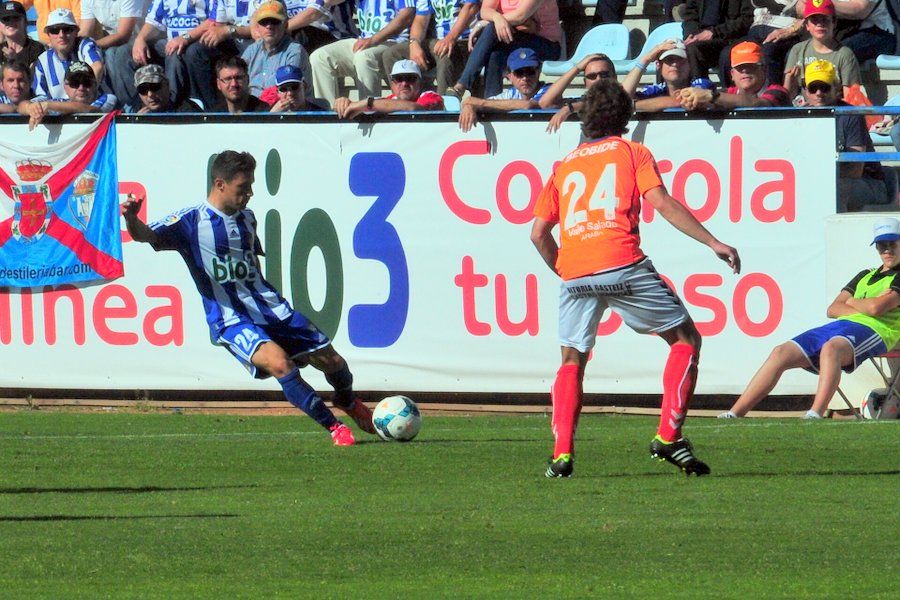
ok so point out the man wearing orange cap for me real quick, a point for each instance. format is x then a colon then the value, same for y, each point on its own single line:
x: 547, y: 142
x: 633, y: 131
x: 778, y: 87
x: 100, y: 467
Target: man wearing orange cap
x: 859, y: 183
x: 710, y: 26
x: 750, y: 89
x: 819, y: 21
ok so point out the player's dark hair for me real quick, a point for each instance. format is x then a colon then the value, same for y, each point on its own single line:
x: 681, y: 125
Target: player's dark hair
x: 603, y: 58
x: 606, y: 111
x: 17, y: 66
x: 231, y: 62
x: 229, y: 164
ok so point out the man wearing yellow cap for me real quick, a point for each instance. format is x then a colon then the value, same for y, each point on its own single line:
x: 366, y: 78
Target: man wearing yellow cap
x: 859, y: 183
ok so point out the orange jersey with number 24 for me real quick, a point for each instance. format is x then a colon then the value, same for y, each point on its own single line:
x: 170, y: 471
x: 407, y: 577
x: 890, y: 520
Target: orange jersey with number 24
x: 595, y: 196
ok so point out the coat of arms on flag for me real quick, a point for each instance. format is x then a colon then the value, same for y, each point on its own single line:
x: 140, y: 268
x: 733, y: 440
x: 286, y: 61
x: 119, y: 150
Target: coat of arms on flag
x: 62, y: 208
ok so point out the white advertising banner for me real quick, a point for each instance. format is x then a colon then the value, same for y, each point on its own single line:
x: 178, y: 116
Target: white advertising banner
x: 408, y: 242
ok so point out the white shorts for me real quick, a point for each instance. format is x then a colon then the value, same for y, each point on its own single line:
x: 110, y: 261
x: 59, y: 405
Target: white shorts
x: 636, y: 292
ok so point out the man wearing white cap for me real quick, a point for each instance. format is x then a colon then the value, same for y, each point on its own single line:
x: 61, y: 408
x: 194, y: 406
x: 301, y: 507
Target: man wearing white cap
x: 672, y: 66
x: 65, y: 47
x: 407, y: 95
x: 866, y: 323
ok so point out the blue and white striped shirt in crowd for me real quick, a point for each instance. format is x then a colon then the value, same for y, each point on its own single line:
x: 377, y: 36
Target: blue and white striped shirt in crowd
x: 104, y: 103
x: 337, y: 15
x: 514, y: 94
x: 175, y: 17
x: 221, y: 254
x: 373, y: 15
x: 445, y: 14
x: 50, y: 69
x: 232, y: 12
x: 4, y: 99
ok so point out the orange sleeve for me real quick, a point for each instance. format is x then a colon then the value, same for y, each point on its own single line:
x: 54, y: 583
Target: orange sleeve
x: 547, y: 205
x: 646, y: 173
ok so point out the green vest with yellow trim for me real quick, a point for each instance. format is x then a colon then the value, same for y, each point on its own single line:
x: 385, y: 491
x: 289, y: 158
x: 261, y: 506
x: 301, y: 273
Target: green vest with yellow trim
x: 887, y: 326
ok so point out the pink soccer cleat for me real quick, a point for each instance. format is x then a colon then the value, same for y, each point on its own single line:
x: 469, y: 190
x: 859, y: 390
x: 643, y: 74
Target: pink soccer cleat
x: 361, y: 415
x: 341, y: 434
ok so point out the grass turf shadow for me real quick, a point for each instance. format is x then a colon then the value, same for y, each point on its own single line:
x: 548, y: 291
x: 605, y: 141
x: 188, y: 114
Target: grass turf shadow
x: 44, y: 518
x: 145, y: 489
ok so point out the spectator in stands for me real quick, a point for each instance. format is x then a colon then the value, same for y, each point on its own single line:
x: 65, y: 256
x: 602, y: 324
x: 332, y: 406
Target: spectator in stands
x: 113, y: 24
x: 448, y: 50
x: 859, y: 183
x: 710, y: 27
x: 80, y: 95
x: 153, y: 90
x: 864, y: 26
x: 751, y: 87
x: 226, y: 33
x: 291, y: 93
x: 317, y: 23
x: 523, y: 68
x: 819, y: 22
x: 506, y: 26
x: 43, y: 8
x: 406, y: 95
x: 672, y: 66
x: 596, y: 68
x: 382, y: 23
x: 609, y: 11
x: 775, y: 28
x: 169, y: 29
x: 16, y: 46
x: 574, y: 20
x: 273, y: 49
x: 65, y: 48
x: 15, y: 86
x: 233, y: 83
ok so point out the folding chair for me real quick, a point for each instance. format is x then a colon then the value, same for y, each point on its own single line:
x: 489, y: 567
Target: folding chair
x: 890, y: 382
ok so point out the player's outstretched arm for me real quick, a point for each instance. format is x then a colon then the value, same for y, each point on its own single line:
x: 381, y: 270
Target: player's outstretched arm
x: 681, y: 218
x: 136, y: 228
x: 543, y: 240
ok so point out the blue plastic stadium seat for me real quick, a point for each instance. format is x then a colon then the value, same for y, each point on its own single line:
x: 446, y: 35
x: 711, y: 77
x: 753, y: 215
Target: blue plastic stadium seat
x: 610, y: 39
x: 451, y: 103
x: 666, y: 31
x: 31, y: 24
x: 879, y: 139
x: 887, y: 61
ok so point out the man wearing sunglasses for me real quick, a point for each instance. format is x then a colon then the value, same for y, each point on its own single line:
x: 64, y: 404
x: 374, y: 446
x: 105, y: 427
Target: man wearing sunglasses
x: 750, y: 89
x: 16, y: 45
x: 866, y: 323
x: 523, y: 68
x: 273, y: 49
x: 65, y: 48
x: 290, y: 93
x: 80, y: 95
x: 672, y: 66
x: 596, y: 68
x: 859, y: 183
x: 156, y: 97
x: 406, y: 95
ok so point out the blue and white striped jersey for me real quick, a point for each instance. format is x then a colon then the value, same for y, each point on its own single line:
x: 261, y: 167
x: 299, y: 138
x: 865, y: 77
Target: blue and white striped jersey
x: 445, y: 14
x: 337, y: 15
x: 174, y: 17
x: 232, y: 12
x: 50, y: 69
x: 221, y: 254
x: 514, y: 94
x: 373, y: 15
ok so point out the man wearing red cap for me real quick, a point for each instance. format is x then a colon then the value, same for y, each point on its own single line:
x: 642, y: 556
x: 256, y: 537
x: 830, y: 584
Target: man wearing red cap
x: 819, y: 21
x: 864, y: 26
x: 750, y: 89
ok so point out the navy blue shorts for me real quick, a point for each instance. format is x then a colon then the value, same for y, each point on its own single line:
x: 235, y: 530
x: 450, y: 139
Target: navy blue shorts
x: 297, y: 336
x: 866, y: 343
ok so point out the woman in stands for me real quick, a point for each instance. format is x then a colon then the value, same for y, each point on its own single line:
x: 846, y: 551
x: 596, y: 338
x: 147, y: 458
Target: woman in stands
x: 506, y: 25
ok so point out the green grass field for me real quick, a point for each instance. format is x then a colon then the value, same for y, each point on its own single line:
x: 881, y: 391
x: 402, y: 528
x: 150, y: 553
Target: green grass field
x: 170, y: 505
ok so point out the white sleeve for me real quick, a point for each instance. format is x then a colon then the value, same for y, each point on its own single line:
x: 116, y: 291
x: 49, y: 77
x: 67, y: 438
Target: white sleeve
x: 127, y: 8
x: 87, y: 9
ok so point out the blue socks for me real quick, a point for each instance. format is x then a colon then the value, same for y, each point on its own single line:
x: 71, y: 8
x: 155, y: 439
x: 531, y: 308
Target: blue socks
x: 342, y: 382
x: 300, y: 394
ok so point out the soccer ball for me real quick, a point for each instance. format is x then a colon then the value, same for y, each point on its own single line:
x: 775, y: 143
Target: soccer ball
x: 878, y: 405
x: 397, y: 418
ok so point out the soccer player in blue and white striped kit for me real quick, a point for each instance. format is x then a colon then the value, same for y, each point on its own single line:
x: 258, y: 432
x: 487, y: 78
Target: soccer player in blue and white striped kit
x: 245, y: 313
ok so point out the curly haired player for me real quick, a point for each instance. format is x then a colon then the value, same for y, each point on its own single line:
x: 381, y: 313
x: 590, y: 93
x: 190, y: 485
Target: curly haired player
x: 594, y: 195
x: 245, y: 313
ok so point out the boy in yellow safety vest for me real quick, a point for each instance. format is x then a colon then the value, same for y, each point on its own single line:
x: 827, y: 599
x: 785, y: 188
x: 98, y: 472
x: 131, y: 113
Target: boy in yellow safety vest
x: 867, y: 323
